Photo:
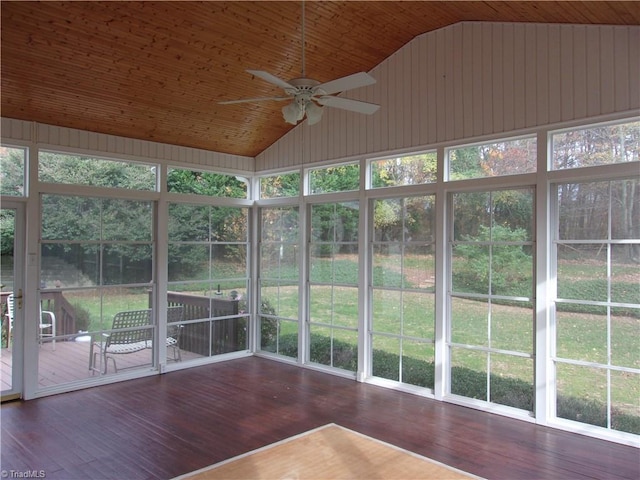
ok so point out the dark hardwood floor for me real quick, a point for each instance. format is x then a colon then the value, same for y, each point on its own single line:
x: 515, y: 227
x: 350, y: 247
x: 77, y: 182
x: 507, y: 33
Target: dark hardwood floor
x: 163, y: 426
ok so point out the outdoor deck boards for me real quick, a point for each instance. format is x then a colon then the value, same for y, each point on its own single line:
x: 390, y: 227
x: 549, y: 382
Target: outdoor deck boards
x: 69, y: 362
x: 166, y: 425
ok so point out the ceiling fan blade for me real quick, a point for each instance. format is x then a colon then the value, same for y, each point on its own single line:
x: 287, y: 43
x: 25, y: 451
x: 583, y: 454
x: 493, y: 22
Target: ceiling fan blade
x: 348, y: 104
x: 252, y: 100
x: 271, y: 79
x: 357, y: 80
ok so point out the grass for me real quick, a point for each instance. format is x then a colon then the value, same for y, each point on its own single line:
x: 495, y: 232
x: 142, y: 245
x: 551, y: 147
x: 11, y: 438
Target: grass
x: 581, y: 334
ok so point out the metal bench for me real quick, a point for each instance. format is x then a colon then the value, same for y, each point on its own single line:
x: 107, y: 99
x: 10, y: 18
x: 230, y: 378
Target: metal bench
x: 129, y: 333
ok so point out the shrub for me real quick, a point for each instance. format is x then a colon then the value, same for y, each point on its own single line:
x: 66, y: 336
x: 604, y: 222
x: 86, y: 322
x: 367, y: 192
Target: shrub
x: 83, y: 317
x: 466, y: 382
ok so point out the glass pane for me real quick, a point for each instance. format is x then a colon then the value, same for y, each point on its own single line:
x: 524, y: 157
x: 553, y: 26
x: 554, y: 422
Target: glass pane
x: 206, y: 183
x: 582, y: 272
x: 469, y: 373
x: 419, y: 268
x: 583, y: 211
x: 469, y: 324
x: 510, y: 157
x: 321, y: 263
x: 122, y: 264
x: 388, y: 220
x: 280, y: 224
x: 625, y: 217
x: 409, y: 170
x: 625, y: 337
x: 229, y: 261
x: 342, y: 178
x: 124, y: 220
x: 471, y: 211
x: 512, y: 271
x: 582, y: 394
x: 418, y: 315
x: 386, y: 358
x: 70, y: 218
x: 279, y: 300
x: 512, y: 381
x: 603, y: 145
x: 229, y: 224
x: 188, y: 262
x: 345, y: 307
x: 99, y: 172
x: 64, y: 265
x: 12, y: 171
x: 625, y: 274
x: 418, y: 363
x: 513, y: 216
x: 625, y: 408
x: 279, y: 336
x: 279, y: 261
x: 283, y: 185
x: 387, y: 311
x: 470, y: 269
x: 335, y: 222
x: 345, y: 350
x: 512, y: 327
x: 387, y: 263
x: 582, y: 335
x: 419, y: 219
x: 320, y: 304
x: 189, y: 222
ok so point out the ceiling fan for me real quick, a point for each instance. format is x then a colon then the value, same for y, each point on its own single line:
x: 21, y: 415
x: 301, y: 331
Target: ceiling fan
x: 309, y: 96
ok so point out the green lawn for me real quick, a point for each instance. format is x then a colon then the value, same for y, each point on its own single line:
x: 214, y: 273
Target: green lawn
x: 580, y: 335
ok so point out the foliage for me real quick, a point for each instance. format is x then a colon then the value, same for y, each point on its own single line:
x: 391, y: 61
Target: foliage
x: 466, y: 382
x: 506, y: 267
x: 342, y: 178
x: 83, y: 317
x: 7, y: 231
x: 206, y: 183
x: 408, y: 170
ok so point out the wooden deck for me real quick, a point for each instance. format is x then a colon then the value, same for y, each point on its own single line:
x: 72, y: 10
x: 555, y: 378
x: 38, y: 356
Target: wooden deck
x: 69, y: 362
x: 166, y: 425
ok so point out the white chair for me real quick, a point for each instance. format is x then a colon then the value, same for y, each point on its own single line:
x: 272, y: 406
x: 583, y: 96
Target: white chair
x: 47, y: 324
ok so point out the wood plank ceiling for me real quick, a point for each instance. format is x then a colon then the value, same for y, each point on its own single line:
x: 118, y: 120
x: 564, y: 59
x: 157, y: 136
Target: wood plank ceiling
x: 156, y: 70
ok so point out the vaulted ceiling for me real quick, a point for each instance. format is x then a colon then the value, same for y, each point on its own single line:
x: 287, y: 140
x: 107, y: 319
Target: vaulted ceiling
x: 157, y: 70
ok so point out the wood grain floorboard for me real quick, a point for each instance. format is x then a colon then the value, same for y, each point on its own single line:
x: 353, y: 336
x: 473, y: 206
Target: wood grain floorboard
x: 163, y: 426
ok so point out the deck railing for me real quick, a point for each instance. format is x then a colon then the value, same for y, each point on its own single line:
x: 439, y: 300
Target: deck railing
x: 209, y: 336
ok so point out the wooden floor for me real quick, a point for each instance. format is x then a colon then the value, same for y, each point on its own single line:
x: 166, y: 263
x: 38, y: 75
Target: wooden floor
x: 162, y: 426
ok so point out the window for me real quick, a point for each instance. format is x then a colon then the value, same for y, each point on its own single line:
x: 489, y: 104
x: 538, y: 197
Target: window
x: 98, y: 172
x: 12, y: 171
x: 333, y: 285
x: 508, y: 157
x: 282, y: 185
x: 406, y: 170
x: 279, y: 280
x: 597, y: 314
x: 206, y: 183
x: 341, y: 178
x: 602, y: 145
x: 402, y: 290
x: 96, y: 261
x: 491, y: 311
x: 208, y: 276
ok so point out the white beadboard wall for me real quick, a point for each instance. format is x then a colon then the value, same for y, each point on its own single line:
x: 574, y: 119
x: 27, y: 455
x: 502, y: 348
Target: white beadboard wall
x: 473, y: 79
x: 120, y: 147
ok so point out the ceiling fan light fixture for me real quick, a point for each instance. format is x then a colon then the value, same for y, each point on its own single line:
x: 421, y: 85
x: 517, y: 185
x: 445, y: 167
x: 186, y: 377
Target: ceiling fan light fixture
x: 314, y: 113
x: 292, y: 113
